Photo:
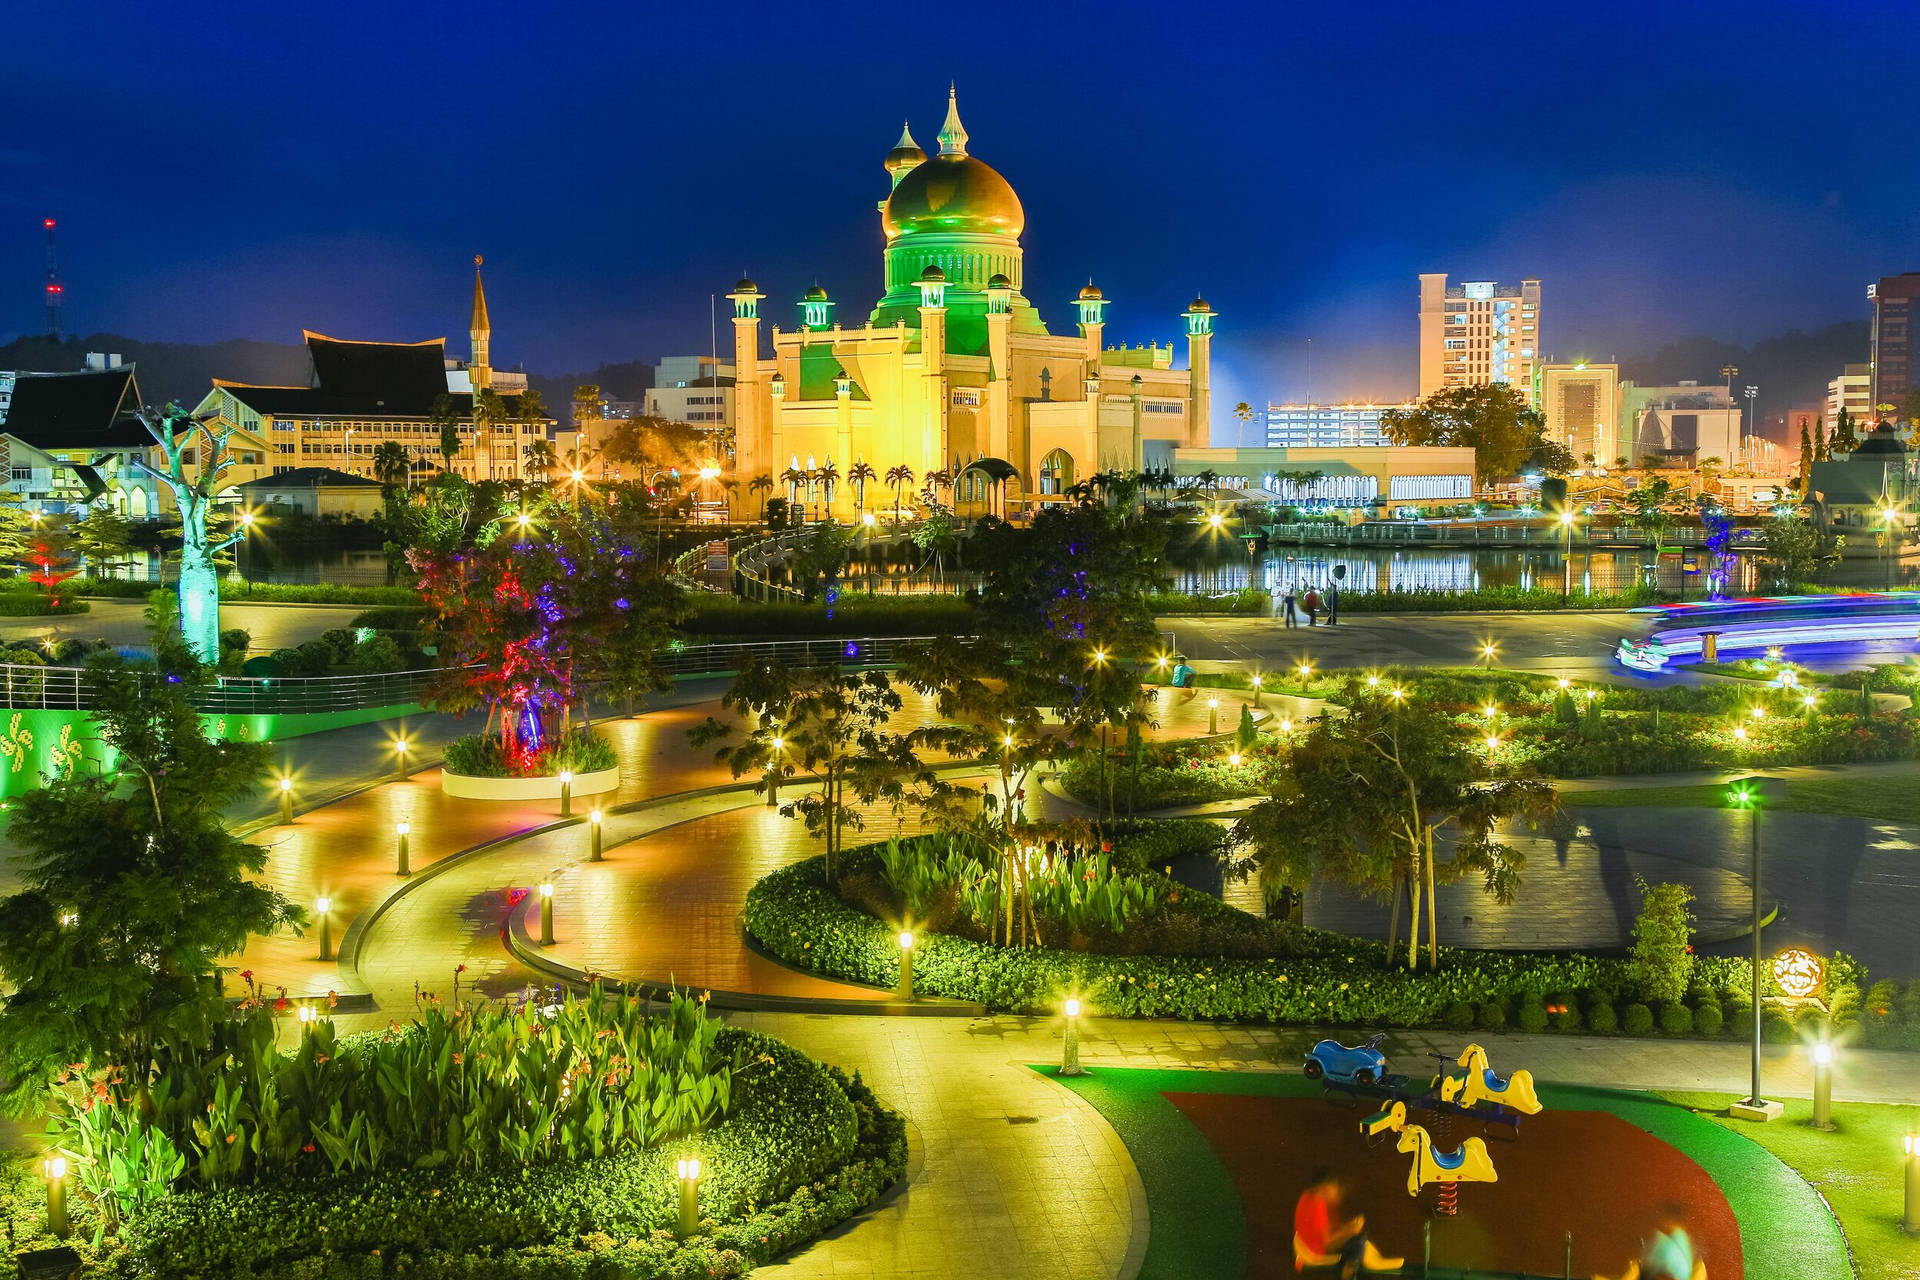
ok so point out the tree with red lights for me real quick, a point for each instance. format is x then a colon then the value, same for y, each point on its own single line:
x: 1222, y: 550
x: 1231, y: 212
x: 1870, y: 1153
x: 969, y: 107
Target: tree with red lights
x: 50, y: 557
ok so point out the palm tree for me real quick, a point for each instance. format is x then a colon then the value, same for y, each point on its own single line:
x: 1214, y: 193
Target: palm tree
x: 828, y: 475
x: 392, y: 464
x: 1244, y: 412
x: 762, y: 485
x: 899, y: 477
x: 540, y: 460
x: 793, y: 478
x: 858, y: 474
x: 444, y: 416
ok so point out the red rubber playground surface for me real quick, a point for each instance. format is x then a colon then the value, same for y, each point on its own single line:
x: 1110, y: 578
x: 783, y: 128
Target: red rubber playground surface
x: 1585, y: 1172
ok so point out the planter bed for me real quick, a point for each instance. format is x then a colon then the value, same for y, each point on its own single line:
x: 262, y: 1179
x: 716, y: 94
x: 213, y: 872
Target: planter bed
x: 545, y: 787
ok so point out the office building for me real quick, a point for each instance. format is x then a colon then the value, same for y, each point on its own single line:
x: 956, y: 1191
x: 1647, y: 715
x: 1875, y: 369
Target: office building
x: 1581, y: 404
x: 1478, y: 332
x: 1681, y: 425
x: 1852, y: 391
x: 1362, y: 478
x: 1893, y: 369
x: 1327, y: 426
x: 692, y: 389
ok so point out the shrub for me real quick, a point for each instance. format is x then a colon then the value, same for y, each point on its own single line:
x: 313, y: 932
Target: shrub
x: 1492, y: 1016
x: 1707, y: 1018
x: 1638, y: 1020
x: 1533, y: 1013
x: 1740, y: 1021
x: 1459, y: 1016
x: 1564, y: 1014
x: 478, y: 756
x: 1675, y: 1018
x: 1601, y: 1019
x: 1662, y: 964
x: 1777, y: 1028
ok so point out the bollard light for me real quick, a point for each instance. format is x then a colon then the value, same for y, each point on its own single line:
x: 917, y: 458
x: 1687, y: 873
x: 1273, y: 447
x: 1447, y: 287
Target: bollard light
x: 400, y: 758
x: 905, y: 940
x: 305, y: 1014
x: 1213, y: 715
x: 593, y: 822
x: 324, y: 906
x: 286, y: 800
x: 687, y: 1171
x: 1739, y: 733
x: 1286, y: 724
x: 1493, y: 743
x: 1233, y: 759
x: 54, y: 1169
x: 1373, y: 682
x: 1070, y: 1040
x: 546, y: 913
x: 1823, y: 1084
x: 400, y: 831
x: 1256, y: 691
x: 566, y: 793
x: 1911, y: 1222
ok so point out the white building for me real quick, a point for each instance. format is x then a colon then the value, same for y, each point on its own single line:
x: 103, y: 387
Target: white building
x: 1478, y: 332
x: 692, y: 389
x: 1326, y: 426
x: 1852, y: 391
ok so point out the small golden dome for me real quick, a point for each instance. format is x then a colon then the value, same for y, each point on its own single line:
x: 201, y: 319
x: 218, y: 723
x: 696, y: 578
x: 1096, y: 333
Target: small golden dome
x: 955, y: 194
x: 1199, y: 305
x: 1088, y: 293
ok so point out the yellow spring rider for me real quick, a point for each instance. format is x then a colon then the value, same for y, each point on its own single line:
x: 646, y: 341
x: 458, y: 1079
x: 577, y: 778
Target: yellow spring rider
x: 1472, y: 1083
x: 1469, y: 1162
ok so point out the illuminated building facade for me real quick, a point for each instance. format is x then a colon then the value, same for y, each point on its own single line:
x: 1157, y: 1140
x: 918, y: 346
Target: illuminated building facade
x: 1478, y: 332
x: 1326, y: 426
x: 954, y: 370
x: 1895, y: 363
x: 1581, y: 403
x: 1360, y: 478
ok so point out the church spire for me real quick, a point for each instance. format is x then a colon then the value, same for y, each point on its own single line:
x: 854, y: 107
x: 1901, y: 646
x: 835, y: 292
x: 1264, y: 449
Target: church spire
x: 953, y: 134
x: 480, y: 330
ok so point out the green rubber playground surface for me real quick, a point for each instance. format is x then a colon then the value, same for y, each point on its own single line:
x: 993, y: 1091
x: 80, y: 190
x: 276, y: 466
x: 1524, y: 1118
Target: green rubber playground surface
x: 1198, y: 1139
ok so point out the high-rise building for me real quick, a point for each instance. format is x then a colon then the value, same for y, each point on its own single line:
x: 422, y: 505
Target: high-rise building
x: 1478, y: 332
x: 1326, y: 426
x: 1581, y: 403
x: 1893, y: 364
x: 1852, y: 391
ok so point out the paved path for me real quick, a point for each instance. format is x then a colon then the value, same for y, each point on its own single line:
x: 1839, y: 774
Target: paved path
x: 120, y: 622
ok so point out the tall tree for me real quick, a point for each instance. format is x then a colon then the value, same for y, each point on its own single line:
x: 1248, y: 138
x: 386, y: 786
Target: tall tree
x: 1364, y: 795
x: 100, y: 535
x: 446, y: 418
x: 392, y: 464
x: 131, y: 895
x: 179, y: 436
x: 1494, y: 420
x: 1844, y: 440
x: 1806, y: 456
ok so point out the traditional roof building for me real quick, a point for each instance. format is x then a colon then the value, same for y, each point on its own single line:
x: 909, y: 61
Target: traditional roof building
x: 69, y: 441
x: 361, y: 395
x: 955, y: 370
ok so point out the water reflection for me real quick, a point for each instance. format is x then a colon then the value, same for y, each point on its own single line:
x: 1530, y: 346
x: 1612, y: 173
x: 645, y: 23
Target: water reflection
x: 1439, y: 569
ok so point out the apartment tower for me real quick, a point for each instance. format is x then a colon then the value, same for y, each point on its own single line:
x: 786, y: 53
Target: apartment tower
x: 1478, y: 332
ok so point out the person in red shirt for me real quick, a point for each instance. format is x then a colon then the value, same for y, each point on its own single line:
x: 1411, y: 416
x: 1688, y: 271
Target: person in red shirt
x: 1319, y: 1230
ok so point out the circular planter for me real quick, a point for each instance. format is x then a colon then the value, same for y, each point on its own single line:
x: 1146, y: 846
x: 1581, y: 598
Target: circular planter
x: 545, y: 787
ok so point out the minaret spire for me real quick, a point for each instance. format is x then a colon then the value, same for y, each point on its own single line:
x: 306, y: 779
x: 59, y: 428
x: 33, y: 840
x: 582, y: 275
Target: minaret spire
x: 953, y: 134
x: 480, y: 330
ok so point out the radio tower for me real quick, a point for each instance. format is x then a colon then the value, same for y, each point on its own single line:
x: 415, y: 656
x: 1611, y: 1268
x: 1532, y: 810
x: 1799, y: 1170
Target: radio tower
x: 55, y: 290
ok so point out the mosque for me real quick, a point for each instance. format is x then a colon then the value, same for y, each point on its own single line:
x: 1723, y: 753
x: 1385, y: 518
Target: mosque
x: 954, y: 369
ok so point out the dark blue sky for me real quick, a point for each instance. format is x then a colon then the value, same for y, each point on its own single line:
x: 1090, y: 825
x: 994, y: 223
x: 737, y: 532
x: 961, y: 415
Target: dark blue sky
x: 244, y: 169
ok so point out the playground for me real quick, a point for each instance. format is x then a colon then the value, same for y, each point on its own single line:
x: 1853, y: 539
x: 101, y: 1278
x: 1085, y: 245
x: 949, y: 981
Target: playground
x: 1577, y: 1186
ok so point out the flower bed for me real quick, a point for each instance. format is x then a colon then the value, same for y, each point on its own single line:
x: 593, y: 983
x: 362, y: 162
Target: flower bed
x: 803, y: 1148
x: 479, y: 756
x: 1332, y: 979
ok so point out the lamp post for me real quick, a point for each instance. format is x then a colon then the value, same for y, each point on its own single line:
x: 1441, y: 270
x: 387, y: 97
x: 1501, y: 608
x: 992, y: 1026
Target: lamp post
x: 286, y: 801
x: 1890, y: 531
x: 593, y: 823
x: 905, y: 940
x: 566, y: 793
x: 1749, y: 793
x: 324, y: 906
x: 54, y: 1168
x: 1566, y: 555
x: 1823, y: 1084
x: 1070, y: 1045
x: 687, y: 1172
x: 400, y: 831
x: 546, y: 913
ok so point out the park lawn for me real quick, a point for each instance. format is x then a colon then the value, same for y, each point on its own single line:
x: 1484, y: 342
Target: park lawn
x: 1857, y: 1169
x: 1891, y: 797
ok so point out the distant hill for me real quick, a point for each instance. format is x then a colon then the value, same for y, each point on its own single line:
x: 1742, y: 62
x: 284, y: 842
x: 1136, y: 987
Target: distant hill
x: 168, y: 370
x: 1792, y: 370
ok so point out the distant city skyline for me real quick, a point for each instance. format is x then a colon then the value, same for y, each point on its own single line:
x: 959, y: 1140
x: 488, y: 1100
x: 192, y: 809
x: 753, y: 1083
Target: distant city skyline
x: 251, y: 173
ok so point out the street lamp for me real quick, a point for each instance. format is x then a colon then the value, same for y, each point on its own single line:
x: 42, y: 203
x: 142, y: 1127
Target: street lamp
x: 324, y: 906
x: 401, y: 829
x: 1070, y: 1047
x: 905, y: 939
x: 1823, y: 1084
x: 1749, y: 793
x: 546, y: 913
x: 593, y: 822
x: 1753, y: 427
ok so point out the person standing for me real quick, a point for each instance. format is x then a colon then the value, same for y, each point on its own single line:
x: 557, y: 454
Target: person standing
x: 1333, y: 602
x: 1312, y: 603
x: 1287, y: 599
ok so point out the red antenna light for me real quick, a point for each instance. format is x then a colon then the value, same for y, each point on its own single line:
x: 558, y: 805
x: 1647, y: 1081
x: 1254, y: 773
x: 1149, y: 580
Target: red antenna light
x: 48, y: 224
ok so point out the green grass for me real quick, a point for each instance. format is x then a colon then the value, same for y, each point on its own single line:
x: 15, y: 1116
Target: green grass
x: 1892, y: 797
x: 1857, y: 1169
x: 1198, y: 1228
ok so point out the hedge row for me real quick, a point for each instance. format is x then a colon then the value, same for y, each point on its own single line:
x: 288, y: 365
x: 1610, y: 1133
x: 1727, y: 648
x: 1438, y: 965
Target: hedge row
x: 853, y: 614
x: 804, y: 1148
x: 235, y: 589
x: 34, y: 604
x: 800, y: 921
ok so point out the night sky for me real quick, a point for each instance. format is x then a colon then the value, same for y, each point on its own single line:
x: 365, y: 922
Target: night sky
x: 245, y: 170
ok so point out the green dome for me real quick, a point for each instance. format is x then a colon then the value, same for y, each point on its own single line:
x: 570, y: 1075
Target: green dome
x: 815, y: 294
x: 953, y: 194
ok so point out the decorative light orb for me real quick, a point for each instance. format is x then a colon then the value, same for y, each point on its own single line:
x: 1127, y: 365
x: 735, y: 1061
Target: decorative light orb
x: 1809, y: 700
x: 1740, y: 732
x: 1591, y: 694
x: 286, y: 784
x: 323, y: 904
x: 1490, y: 710
x: 1398, y: 693
x: 1233, y: 758
x: 1072, y: 1007
x: 1565, y: 683
x: 1373, y: 682
x: 867, y: 519
x: 1493, y: 743
x: 578, y: 475
x: 779, y: 743
x: 1214, y: 520
x: 1099, y: 655
x: 400, y: 745
x: 1773, y: 652
x: 905, y: 940
x: 1798, y: 971
x: 523, y: 520
x: 1759, y: 713
x: 1286, y: 724
x: 1256, y: 681
x: 1006, y: 740
x: 1823, y: 1053
x: 1306, y: 670
x: 1160, y: 661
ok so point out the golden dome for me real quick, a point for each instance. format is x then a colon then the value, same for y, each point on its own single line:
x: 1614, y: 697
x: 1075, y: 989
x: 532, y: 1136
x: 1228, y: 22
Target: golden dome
x: 957, y: 194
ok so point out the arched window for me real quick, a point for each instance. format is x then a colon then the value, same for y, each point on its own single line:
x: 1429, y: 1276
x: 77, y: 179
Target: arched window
x: 1056, y: 472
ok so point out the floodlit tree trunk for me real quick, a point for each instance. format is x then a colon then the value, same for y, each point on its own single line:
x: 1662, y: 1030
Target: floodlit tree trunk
x: 1413, y: 914
x: 1433, y: 929
x: 1393, y: 917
